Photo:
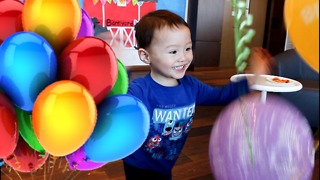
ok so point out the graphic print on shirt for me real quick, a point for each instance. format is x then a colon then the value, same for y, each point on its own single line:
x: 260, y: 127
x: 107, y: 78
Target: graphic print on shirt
x: 168, y: 126
x: 154, y: 142
x: 168, y: 131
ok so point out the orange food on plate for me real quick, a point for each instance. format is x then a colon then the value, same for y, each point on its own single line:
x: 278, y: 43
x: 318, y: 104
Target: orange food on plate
x: 276, y: 79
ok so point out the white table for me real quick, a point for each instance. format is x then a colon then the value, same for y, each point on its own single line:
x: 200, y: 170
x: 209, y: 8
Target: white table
x: 264, y: 83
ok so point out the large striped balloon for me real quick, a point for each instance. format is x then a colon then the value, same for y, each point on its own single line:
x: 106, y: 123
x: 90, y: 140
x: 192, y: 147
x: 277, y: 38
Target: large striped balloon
x: 256, y: 140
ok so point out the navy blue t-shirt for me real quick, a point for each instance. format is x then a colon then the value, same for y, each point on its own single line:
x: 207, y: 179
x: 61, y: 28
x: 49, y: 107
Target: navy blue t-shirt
x: 171, y: 115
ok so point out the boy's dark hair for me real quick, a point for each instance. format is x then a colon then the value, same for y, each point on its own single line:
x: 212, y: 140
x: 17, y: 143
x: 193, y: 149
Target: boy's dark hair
x: 155, y: 20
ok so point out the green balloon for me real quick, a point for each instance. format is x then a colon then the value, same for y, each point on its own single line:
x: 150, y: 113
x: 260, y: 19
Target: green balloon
x: 122, y: 82
x: 26, y: 130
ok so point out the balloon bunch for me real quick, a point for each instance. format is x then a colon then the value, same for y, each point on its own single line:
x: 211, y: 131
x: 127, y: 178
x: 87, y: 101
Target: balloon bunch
x: 242, y: 35
x: 62, y: 90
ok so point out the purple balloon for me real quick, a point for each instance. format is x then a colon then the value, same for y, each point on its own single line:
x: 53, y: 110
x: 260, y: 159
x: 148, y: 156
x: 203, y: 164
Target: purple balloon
x: 256, y: 140
x: 78, y: 161
x: 86, y: 28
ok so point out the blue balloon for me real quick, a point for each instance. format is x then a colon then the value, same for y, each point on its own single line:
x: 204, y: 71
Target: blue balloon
x: 81, y: 3
x: 27, y: 65
x: 122, y: 127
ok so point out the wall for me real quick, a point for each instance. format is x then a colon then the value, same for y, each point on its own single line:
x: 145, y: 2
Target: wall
x: 208, y: 33
x: 258, y: 10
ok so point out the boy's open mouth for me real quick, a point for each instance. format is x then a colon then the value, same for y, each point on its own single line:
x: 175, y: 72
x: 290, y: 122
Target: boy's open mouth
x: 178, y: 67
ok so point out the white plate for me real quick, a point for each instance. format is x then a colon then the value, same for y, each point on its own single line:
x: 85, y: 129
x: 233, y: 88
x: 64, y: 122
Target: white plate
x: 265, y: 83
x: 271, y: 81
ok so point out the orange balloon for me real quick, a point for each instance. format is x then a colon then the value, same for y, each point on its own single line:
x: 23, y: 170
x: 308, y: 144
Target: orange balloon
x: 58, y: 21
x: 302, y: 21
x: 63, y: 117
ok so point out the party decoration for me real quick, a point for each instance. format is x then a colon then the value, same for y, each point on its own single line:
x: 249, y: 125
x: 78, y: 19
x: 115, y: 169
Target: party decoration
x: 103, y: 2
x: 95, y: 2
x: 91, y: 62
x: 242, y: 34
x: 134, y: 2
x: 8, y: 127
x: 78, y: 161
x: 25, y: 159
x: 10, y: 18
x: 122, y: 127
x: 122, y: 82
x: 26, y: 130
x: 57, y: 21
x: 63, y: 117
x: 27, y: 65
x: 86, y: 28
x: 256, y: 140
x: 302, y: 22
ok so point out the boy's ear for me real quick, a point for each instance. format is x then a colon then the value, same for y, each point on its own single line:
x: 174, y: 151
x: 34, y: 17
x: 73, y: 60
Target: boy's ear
x: 143, y: 55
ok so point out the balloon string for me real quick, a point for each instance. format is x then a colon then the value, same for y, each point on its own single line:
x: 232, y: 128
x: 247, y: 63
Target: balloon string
x: 65, y: 168
x: 17, y: 174
x: 19, y: 165
x: 31, y: 173
x: 53, y: 162
x: 247, y: 133
x: 44, y: 172
x: 70, y: 175
x: 78, y: 172
x: 6, y: 174
x: 59, y: 163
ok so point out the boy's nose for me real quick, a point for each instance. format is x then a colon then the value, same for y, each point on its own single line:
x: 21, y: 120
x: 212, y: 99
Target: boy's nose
x: 183, y: 57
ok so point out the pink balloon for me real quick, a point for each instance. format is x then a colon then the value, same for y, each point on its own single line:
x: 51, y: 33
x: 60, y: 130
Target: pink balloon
x: 78, y: 161
x: 256, y: 140
x: 86, y: 28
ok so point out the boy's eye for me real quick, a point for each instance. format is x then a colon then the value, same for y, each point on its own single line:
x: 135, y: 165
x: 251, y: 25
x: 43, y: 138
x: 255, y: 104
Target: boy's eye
x: 173, y: 52
x: 188, y: 49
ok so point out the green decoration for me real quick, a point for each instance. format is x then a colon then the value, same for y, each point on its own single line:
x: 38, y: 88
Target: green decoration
x: 134, y: 2
x: 242, y: 34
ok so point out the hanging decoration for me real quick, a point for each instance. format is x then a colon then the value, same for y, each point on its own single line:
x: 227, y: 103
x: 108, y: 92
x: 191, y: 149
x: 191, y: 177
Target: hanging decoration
x: 242, y: 34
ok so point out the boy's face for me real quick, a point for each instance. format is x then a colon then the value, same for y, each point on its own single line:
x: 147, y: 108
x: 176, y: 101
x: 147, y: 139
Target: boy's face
x: 170, y: 54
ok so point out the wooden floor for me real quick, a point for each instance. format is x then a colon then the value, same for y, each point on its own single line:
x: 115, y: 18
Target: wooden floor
x: 193, y: 163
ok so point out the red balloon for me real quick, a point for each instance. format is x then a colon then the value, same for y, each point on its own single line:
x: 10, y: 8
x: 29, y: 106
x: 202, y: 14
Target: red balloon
x: 8, y: 127
x: 25, y: 159
x: 10, y: 18
x: 91, y: 62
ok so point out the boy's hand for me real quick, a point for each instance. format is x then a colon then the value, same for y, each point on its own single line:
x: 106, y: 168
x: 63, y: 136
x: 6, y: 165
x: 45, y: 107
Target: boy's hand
x: 260, y: 62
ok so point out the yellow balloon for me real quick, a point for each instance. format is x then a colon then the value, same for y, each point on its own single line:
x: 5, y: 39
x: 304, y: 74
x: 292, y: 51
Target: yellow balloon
x: 58, y: 21
x: 302, y: 21
x: 63, y: 117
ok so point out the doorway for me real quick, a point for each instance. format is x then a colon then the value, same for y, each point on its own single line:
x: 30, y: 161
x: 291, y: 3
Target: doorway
x: 275, y: 30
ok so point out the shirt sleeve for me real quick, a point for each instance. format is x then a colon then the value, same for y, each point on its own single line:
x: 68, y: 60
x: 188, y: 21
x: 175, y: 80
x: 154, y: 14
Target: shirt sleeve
x: 136, y: 88
x: 209, y: 95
